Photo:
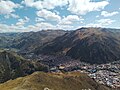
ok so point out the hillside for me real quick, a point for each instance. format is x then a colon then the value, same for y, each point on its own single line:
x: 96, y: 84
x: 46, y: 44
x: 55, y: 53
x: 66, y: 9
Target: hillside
x: 53, y: 81
x: 13, y: 66
x: 91, y: 45
x: 6, y: 39
x: 27, y: 41
x: 30, y: 40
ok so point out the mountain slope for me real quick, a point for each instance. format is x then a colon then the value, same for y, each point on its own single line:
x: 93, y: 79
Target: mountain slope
x: 30, y: 40
x: 13, y: 66
x: 27, y: 41
x: 6, y: 39
x: 53, y: 81
x: 92, y: 45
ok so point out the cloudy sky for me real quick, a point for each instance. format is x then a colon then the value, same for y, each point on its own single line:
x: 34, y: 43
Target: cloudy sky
x: 35, y: 15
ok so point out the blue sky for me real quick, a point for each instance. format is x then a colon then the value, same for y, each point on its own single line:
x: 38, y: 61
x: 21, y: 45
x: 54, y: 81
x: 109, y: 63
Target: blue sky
x: 35, y: 15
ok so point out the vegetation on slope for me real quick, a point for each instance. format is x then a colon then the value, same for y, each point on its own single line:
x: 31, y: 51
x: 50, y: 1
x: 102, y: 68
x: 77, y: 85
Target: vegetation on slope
x: 53, y: 81
x: 13, y: 66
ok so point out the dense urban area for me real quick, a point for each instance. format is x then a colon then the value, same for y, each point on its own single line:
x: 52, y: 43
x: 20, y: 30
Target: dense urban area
x: 106, y: 74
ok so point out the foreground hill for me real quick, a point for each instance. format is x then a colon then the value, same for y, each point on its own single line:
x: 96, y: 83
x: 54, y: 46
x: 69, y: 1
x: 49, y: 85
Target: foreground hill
x: 91, y: 45
x: 13, y: 66
x: 53, y: 81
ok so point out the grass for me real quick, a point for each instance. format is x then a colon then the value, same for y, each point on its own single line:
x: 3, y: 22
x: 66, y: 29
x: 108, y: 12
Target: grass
x: 53, y: 81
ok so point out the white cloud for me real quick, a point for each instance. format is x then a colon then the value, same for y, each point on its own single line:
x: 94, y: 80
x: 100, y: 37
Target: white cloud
x: 70, y: 22
x: 45, y: 4
x: 108, y: 14
x: 36, y: 27
x: 84, y: 6
x: 44, y: 25
x: 97, y: 16
x: 41, y: 24
x: 101, y: 23
x: 65, y: 22
x: 65, y: 27
x: 105, y: 22
x: 74, y: 6
x: 37, y: 19
x: 11, y: 16
x: 21, y: 22
x: 48, y: 15
x: 93, y: 25
x: 70, y: 19
x: 11, y: 28
x: 20, y: 28
x: 7, y: 7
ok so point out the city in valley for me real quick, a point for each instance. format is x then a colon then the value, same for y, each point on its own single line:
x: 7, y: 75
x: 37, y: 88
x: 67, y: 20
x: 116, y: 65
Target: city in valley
x: 106, y: 74
x: 59, y: 44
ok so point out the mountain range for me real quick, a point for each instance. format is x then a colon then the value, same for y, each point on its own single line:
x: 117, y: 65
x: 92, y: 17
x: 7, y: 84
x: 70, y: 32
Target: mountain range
x: 91, y: 45
x: 27, y: 58
x: 27, y: 41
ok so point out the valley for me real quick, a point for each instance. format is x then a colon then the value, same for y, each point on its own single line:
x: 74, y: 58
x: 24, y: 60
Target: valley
x: 93, y: 53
